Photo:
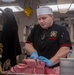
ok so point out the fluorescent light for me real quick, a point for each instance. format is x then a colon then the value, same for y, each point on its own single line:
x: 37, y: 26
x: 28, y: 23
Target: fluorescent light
x: 14, y: 8
x: 8, y: 0
x: 62, y: 7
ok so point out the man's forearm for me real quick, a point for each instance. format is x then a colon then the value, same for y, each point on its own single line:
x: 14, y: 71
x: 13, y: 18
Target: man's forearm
x: 62, y: 53
x: 29, y: 48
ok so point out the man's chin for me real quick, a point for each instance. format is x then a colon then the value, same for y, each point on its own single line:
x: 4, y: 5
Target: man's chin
x: 44, y: 27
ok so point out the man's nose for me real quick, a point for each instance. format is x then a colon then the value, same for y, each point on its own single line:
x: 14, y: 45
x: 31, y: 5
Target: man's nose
x: 41, y: 20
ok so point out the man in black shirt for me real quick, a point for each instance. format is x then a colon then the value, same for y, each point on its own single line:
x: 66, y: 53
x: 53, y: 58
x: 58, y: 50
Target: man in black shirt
x: 48, y: 41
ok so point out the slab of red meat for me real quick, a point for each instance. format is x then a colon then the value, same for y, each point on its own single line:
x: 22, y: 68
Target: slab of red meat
x: 24, y: 70
x: 40, y: 64
x: 57, y: 70
x: 52, y: 71
x: 21, y: 65
x: 12, y: 70
x: 30, y: 66
x: 33, y: 63
x: 29, y: 62
x: 39, y: 71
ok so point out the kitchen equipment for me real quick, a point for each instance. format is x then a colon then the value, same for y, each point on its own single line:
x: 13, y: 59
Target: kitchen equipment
x: 66, y: 66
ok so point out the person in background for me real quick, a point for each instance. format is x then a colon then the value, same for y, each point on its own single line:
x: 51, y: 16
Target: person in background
x: 9, y: 40
x: 48, y: 42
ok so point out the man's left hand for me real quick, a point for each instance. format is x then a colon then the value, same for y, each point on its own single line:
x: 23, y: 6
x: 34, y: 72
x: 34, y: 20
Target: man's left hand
x: 46, y: 61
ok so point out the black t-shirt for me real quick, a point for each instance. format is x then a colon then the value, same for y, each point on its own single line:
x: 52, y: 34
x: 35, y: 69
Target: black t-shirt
x: 47, y: 42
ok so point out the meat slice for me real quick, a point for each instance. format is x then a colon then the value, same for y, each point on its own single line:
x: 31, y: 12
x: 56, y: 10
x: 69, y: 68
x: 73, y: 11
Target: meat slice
x: 33, y: 63
x: 29, y: 71
x: 28, y: 66
x: 12, y: 70
x: 39, y: 71
x: 40, y: 64
x: 30, y: 62
x: 21, y: 66
x: 57, y: 70
x: 24, y: 70
x: 51, y: 71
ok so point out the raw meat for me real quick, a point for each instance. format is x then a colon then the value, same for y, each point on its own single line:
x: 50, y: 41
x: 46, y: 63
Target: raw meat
x: 54, y: 71
x: 30, y: 66
x: 29, y: 62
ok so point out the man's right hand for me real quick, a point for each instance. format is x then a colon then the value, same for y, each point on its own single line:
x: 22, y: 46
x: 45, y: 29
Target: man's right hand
x: 34, y: 55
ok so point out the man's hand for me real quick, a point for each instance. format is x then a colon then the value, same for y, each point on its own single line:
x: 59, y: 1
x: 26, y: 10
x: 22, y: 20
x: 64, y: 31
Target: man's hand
x: 34, y: 55
x: 46, y: 61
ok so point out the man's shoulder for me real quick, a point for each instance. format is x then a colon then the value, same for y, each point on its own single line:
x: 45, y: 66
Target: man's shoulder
x: 60, y: 26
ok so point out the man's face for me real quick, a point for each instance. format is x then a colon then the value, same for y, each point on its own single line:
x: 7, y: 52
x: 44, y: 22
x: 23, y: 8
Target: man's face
x: 45, y: 20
